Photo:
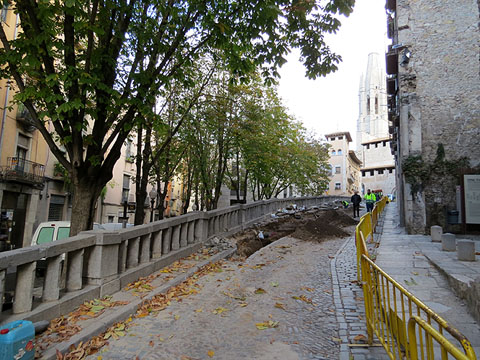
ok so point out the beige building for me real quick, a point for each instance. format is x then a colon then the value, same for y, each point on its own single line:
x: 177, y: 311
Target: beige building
x: 434, y: 96
x: 23, y: 159
x: 345, y: 178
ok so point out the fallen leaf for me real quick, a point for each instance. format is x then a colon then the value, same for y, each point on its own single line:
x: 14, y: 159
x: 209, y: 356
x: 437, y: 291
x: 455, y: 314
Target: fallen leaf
x: 176, y: 317
x: 151, y: 343
x: 210, y: 353
x: 266, y: 325
x: 199, y: 310
x: 274, y: 284
x: 260, y: 291
x: 243, y: 304
x: 337, y: 339
x: 280, y: 306
x: 219, y: 310
x: 360, y: 337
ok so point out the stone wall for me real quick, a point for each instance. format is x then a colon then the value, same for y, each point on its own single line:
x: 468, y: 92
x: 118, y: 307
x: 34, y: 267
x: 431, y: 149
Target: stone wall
x: 439, y: 95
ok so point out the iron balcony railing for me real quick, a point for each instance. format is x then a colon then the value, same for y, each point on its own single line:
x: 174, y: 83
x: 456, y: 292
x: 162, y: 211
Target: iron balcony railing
x: 21, y: 170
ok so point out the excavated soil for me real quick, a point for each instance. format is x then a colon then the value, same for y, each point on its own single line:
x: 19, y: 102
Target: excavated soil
x: 312, y: 225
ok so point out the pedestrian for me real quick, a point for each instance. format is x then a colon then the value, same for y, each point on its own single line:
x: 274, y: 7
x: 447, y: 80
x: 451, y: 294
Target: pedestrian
x: 356, y: 200
x: 370, y: 199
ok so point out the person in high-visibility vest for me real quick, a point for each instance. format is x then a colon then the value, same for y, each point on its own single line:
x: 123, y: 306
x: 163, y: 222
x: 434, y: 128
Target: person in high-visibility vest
x: 370, y: 199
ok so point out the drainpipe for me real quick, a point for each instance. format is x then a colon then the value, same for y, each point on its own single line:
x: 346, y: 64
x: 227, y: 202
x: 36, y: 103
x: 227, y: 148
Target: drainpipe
x: 7, y: 92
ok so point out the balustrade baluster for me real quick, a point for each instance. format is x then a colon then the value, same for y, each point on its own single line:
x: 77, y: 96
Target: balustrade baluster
x: 133, y: 252
x: 157, y: 244
x: 75, y: 270
x: 145, y: 248
x: 51, y: 285
x: 24, y: 286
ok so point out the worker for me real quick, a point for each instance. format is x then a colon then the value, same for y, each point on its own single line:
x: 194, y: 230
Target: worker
x: 345, y: 204
x: 370, y: 199
x: 356, y: 200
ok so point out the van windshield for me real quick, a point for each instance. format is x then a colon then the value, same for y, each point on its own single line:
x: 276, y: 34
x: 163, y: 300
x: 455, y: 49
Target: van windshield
x: 45, y: 235
x: 63, y: 233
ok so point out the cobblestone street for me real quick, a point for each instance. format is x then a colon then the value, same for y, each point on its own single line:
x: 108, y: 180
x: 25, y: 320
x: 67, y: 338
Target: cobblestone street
x: 288, y: 282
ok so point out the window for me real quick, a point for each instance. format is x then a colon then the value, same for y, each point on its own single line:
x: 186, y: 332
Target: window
x: 126, y: 188
x: 380, y: 172
x: 63, y: 233
x: 55, y: 208
x: 338, y: 186
x: 111, y: 218
x: 338, y: 169
x: 363, y: 173
x: 45, y: 235
x: 376, y: 104
x: 368, y: 104
x: 384, y: 143
x: 334, y: 153
x: 390, y: 171
x: 23, y: 143
x: 376, y: 145
x: 372, y: 172
x: 332, y: 139
x: 3, y: 16
x: 368, y: 146
x: 128, y: 151
x: 339, y: 152
x: 340, y: 138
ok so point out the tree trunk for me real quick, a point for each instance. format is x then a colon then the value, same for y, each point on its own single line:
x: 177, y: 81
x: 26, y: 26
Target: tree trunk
x: 142, y: 181
x: 87, y: 191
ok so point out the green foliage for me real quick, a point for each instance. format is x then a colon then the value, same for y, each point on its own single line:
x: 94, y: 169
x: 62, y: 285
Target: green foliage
x: 93, y: 68
x: 418, y: 173
x: 59, y: 170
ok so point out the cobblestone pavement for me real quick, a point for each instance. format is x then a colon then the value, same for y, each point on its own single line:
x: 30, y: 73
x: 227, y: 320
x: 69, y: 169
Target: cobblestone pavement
x: 348, y: 298
x: 216, y: 323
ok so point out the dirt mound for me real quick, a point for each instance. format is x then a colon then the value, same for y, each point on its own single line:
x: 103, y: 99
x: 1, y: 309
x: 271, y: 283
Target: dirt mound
x: 318, y: 230
x: 311, y: 225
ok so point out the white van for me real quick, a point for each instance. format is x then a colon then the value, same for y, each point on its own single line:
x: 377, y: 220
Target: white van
x: 54, y: 230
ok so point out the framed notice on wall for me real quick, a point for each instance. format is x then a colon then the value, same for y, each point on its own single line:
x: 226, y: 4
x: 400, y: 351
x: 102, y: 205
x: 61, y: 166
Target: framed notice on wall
x: 472, y: 198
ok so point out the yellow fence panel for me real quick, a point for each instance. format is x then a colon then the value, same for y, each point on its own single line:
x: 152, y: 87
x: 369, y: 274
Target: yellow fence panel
x: 406, y: 327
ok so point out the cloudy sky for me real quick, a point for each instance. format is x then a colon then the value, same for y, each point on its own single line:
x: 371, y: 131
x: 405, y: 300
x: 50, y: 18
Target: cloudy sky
x: 331, y: 103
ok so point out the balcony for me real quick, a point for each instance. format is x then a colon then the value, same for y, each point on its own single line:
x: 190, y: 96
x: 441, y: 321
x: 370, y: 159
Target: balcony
x: 391, y: 5
x: 24, y: 118
x: 391, y: 58
x: 23, y: 171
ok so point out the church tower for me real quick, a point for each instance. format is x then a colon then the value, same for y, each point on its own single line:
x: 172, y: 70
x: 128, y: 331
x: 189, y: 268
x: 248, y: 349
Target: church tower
x: 373, y: 139
x: 373, y: 118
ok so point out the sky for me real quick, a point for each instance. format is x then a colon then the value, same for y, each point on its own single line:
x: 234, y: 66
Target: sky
x: 329, y: 104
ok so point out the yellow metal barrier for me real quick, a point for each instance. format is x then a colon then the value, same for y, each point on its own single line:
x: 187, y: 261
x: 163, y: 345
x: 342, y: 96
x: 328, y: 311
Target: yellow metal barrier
x: 389, y: 307
x: 437, y: 336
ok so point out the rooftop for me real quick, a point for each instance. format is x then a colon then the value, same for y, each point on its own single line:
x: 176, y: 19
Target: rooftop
x: 344, y: 133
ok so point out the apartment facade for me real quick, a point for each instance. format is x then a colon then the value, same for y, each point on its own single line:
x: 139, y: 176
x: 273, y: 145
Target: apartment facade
x: 345, y: 165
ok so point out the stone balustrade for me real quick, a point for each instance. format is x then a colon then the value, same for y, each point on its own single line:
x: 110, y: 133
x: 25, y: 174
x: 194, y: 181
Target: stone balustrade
x: 96, y: 263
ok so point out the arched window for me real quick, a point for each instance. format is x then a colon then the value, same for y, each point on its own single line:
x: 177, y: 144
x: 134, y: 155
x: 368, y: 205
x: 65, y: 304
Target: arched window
x: 376, y: 104
x: 368, y: 104
x: 339, y: 152
x: 334, y: 153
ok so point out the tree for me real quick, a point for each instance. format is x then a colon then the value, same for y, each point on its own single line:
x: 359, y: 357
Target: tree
x: 93, y: 67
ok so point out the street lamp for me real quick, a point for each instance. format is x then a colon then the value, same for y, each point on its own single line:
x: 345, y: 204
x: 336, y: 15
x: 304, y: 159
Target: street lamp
x: 153, y: 196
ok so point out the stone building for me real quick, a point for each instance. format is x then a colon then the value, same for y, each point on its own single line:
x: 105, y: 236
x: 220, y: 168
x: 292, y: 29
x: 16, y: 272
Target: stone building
x: 345, y: 164
x: 373, y: 139
x: 434, y: 95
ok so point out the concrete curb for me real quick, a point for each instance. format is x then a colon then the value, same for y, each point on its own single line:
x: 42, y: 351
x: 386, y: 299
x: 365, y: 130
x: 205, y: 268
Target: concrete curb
x: 462, y: 286
x: 122, y: 313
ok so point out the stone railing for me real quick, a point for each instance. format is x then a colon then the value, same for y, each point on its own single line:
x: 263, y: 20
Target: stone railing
x: 98, y: 263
